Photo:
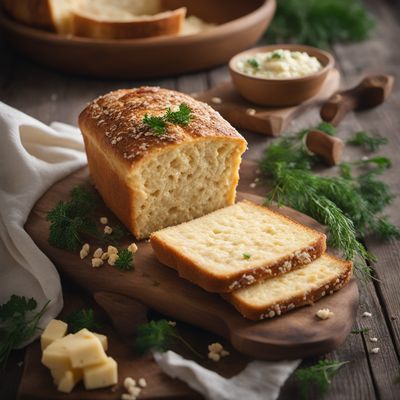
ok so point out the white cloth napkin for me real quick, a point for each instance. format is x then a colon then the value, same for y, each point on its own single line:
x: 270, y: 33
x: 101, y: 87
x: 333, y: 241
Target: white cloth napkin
x: 260, y: 380
x: 33, y: 156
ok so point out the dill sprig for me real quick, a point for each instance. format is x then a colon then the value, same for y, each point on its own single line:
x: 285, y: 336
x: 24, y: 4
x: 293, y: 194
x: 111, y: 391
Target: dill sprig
x: 349, y: 206
x: 18, y: 323
x: 360, y: 331
x: 158, y: 124
x: 319, y: 23
x: 159, y: 336
x: 72, y: 219
x: 81, y: 319
x: 124, y: 261
x: 369, y: 142
x: 318, y: 376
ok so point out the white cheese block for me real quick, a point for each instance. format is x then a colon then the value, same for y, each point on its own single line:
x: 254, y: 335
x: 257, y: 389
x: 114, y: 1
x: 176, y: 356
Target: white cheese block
x: 69, y: 380
x: 55, y: 356
x: 55, y: 329
x: 85, y: 350
x: 103, y: 340
x: 102, y: 375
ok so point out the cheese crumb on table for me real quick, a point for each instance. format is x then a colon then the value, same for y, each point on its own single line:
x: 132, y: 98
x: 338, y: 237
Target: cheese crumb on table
x: 216, y: 351
x: 324, y: 313
x: 373, y: 339
x: 108, y: 230
x: 133, y: 248
x: 84, y: 251
x: 216, y: 100
x: 251, y: 111
x: 367, y: 314
x: 375, y: 350
x: 98, y: 253
x: 112, y: 258
x: 112, y: 250
x: 133, y: 388
x: 104, y: 256
x: 214, y: 356
x: 97, y: 262
x: 104, y: 220
x: 252, y: 185
x: 142, y: 382
x: 129, y: 382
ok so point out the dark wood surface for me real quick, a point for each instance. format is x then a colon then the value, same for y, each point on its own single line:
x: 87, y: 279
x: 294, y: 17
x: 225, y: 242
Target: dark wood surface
x: 48, y: 96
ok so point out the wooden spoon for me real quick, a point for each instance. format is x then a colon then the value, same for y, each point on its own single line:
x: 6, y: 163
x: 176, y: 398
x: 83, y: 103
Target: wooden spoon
x: 370, y: 92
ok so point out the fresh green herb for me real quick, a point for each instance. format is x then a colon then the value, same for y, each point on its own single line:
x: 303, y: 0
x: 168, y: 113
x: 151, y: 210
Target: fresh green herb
x: 349, y: 206
x: 70, y: 220
x: 253, y: 63
x: 319, y: 23
x: 318, y: 376
x: 158, y: 124
x: 125, y: 260
x: 276, y: 55
x: 369, y: 142
x: 18, y: 323
x: 359, y: 331
x: 181, y: 117
x: 82, y: 319
x: 246, y: 256
x: 159, y: 336
x: 326, y: 127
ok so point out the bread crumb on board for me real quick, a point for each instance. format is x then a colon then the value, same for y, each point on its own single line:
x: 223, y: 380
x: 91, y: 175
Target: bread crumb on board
x: 324, y: 313
x: 216, y: 351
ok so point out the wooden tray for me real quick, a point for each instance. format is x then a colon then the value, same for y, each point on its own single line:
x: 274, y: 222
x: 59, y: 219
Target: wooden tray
x: 240, y: 25
x: 266, y: 120
x: 294, y: 335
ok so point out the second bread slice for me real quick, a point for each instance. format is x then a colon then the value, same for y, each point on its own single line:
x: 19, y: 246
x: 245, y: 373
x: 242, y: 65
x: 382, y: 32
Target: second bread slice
x: 236, y: 246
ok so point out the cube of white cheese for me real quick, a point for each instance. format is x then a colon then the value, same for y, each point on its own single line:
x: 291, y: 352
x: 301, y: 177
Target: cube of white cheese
x: 85, y: 350
x: 55, y: 356
x: 55, y: 329
x: 102, y: 375
x: 69, y: 380
x: 103, y: 340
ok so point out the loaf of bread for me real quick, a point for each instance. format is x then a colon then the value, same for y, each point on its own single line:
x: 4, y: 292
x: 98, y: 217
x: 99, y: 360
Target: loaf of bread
x: 153, y: 180
x: 273, y: 297
x: 53, y: 15
x: 125, y: 19
x: 236, y: 246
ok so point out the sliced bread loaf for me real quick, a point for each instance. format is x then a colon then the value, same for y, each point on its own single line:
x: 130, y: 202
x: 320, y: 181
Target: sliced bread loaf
x: 272, y: 297
x: 236, y: 246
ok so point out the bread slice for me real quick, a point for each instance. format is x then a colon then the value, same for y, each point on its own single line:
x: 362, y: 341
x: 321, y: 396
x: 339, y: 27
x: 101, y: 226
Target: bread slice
x: 125, y: 19
x: 53, y: 15
x: 151, y: 181
x: 273, y: 297
x: 236, y: 246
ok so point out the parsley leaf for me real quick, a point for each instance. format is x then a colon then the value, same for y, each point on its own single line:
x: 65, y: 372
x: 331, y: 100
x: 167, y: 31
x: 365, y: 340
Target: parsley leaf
x: 246, y: 256
x: 361, y: 330
x: 253, y: 63
x: 18, y: 323
x: 72, y: 219
x: 276, y: 55
x: 159, y: 336
x: 124, y: 261
x: 82, y: 319
x: 318, y: 376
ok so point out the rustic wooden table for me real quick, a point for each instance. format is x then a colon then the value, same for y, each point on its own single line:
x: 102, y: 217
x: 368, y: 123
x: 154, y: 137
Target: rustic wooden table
x: 49, y: 96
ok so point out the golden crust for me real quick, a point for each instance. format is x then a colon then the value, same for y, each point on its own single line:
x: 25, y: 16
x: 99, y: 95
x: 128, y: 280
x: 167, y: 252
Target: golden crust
x: 115, y: 122
x: 164, y: 23
x: 187, y: 269
x: 258, y: 313
x: 36, y: 13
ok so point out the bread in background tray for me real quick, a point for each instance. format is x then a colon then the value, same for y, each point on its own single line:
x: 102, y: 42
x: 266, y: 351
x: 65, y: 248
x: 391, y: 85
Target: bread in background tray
x: 125, y: 19
x: 52, y: 15
x: 151, y: 181
x: 237, y: 246
x: 273, y: 297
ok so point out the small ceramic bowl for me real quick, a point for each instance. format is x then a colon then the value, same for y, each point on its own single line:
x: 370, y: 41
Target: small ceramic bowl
x: 280, y: 92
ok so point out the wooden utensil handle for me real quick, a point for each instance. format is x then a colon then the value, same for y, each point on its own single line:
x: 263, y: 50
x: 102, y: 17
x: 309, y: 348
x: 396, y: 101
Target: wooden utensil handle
x: 336, y: 108
x: 329, y: 148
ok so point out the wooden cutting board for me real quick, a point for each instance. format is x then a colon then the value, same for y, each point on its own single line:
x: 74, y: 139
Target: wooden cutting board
x: 266, y: 120
x: 296, y: 334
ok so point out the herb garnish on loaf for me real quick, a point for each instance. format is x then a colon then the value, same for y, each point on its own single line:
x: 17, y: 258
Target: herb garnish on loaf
x: 151, y: 181
x: 237, y: 246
